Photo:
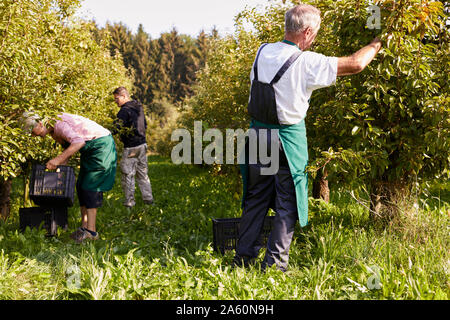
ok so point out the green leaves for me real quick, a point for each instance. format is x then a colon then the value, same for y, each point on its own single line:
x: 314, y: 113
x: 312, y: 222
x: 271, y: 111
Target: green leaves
x: 394, y: 89
x: 48, y: 67
x: 384, y: 112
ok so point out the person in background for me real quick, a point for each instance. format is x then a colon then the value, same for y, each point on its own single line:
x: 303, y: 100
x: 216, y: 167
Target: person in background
x: 132, y: 126
x: 98, y: 162
x: 284, y: 75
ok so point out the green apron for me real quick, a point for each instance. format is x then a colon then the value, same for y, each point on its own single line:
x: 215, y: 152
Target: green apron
x: 294, y: 142
x: 98, y: 164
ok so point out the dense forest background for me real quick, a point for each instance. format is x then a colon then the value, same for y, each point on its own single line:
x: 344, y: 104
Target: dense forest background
x: 164, y: 71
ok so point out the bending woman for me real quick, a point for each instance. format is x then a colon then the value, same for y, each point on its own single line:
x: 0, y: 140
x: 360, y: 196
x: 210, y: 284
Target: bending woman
x: 98, y: 163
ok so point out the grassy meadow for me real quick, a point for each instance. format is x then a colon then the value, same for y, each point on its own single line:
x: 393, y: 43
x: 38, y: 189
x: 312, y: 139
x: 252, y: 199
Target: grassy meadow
x: 165, y: 251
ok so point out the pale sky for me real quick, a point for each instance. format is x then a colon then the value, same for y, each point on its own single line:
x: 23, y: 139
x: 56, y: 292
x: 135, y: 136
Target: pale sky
x: 158, y: 16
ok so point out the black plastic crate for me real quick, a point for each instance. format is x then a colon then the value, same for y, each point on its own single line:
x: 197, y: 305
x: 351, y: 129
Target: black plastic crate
x: 50, y: 218
x: 52, y: 187
x: 226, y: 233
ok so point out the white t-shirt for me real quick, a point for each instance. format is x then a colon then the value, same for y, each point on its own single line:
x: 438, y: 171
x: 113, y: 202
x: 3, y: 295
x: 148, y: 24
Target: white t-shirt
x: 309, y: 72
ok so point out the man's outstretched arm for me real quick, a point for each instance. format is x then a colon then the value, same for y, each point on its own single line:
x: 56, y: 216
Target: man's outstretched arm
x: 358, y: 61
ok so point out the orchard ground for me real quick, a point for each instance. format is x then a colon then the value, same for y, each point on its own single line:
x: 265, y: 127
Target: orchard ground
x: 165, y: 251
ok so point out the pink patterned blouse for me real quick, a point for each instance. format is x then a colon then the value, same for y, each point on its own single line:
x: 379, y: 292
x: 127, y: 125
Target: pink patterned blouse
x: 76, y: 129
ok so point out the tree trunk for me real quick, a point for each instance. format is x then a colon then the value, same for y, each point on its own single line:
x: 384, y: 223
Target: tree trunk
x: 389, y: 199
x: 5, y: 192
x: 320, y: 186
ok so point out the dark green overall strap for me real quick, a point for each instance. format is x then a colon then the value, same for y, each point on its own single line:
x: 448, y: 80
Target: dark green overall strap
x: 286, y: 66
x: 255, y: 68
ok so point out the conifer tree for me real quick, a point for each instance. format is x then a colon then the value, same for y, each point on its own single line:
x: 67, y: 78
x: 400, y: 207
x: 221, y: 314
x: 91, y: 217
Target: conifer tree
x: 121, y: 41
x: 165, y: 63
x: 142, y: 65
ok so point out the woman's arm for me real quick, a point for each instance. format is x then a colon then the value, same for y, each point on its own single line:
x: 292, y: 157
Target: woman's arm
x: 63, y: 134
x: 65, y: 155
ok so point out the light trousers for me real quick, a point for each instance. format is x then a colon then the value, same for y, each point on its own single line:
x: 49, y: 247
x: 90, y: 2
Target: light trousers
x: 134, y: 166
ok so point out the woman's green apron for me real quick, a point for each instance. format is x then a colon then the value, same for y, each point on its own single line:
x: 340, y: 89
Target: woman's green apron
x: 294, y: 142
x: 98, y: 164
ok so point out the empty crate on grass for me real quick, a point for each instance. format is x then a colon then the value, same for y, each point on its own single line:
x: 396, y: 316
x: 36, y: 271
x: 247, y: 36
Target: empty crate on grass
x: 49, y: 218
x: 52, y: 188
x: 226, y: 233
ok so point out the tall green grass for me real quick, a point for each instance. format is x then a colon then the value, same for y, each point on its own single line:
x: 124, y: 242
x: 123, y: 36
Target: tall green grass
x: 165, y: 251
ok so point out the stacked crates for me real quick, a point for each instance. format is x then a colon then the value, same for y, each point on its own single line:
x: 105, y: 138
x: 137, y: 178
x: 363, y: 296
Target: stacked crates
x: 53, y: 192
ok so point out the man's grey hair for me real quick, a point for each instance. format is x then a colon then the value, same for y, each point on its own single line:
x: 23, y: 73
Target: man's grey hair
x: 301, y: 17
x: 29, y: 121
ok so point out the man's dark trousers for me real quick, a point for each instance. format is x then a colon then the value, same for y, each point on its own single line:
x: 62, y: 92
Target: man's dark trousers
x: 268, y: 191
